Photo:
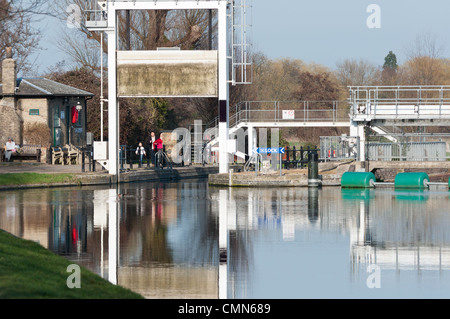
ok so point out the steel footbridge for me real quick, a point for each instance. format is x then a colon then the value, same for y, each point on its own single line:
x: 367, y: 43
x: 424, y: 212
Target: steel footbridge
x: 375, y: 107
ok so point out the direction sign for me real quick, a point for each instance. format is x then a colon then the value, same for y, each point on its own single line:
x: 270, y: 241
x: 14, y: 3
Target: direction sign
x: 270, y: 150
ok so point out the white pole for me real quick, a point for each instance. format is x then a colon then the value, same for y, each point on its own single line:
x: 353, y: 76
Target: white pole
x: 101, y: 86
x: 224, y: 105
x: 250, y: 143
x: 113, y: 112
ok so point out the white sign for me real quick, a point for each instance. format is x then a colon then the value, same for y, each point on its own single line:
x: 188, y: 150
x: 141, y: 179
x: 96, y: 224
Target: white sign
x: 100, y: 151
x: 288, y: 114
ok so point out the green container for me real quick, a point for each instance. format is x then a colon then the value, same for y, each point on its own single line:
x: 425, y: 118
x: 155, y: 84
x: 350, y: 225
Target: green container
x: 357, y: 180
x: 411, y: 180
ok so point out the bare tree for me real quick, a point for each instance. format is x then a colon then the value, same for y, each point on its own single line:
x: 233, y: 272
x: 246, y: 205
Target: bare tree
x: 424, y: 64
x: 83, y: 52
x: 352, y: 72
x: 424, y: 45
x: 17, y: 31
x: 138, y: 30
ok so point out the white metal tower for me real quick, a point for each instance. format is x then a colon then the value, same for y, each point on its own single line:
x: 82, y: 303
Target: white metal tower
x: 233, y: 24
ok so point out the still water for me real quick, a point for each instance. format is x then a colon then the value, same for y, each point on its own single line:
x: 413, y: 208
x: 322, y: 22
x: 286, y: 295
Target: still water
x: 163, y: 240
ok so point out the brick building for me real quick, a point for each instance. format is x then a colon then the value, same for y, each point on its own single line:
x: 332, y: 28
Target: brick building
x: 25, y: 101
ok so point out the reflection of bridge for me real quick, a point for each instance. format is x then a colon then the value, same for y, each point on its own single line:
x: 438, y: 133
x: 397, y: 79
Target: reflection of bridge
x: 385, y: 228
x: 373, y: 107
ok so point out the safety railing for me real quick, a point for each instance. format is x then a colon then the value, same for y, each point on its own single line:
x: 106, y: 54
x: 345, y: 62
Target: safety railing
x: 95, y: 18
x: 426, y: 151
x: 339, y: 148
x: 284, y: 112
x: 130, y: 157
x: 254, y: 161
x: 400, y: 101
x: 297, y: 157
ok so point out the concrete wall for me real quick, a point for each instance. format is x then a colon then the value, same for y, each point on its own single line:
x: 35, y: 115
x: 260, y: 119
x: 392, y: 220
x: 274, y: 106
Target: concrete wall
x: 167, y: 73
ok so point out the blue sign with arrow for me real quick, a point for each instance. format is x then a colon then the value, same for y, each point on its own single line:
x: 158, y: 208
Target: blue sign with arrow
x: 270, y: 150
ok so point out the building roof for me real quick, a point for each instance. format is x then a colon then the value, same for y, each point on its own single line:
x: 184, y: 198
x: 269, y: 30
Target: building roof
x: 41, y: 87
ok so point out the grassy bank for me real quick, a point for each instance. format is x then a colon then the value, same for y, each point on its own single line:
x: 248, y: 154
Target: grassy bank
x: 28, y: 270
x: 11, y: 179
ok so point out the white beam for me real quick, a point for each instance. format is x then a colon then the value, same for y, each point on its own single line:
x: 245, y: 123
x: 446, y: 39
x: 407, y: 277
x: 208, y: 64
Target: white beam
x: 294, y: 124
x: 224, y: 104
x: 166, y: 5
x: 113, y: 110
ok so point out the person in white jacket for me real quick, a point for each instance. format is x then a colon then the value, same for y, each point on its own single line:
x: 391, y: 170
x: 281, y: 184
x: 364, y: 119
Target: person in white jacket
x: 9, y: 149
x: 140, y: 151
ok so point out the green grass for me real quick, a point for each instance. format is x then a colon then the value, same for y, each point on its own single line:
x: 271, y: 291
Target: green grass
x: 29, y: 271
x: 35, y: 178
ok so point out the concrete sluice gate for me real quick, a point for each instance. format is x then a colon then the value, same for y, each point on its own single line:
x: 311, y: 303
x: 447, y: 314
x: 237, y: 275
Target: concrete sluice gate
x: 167, y: 73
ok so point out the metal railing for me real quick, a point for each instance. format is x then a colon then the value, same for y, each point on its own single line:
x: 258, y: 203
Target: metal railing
x: 128, y: 158
x: 297, y: 157
x: 95, y: 18
x: 338, y: 148
x: 283, y: 112
x: 297, y: 112
x: 254, y: 160
x: 415, y: 151
x: 400, y: 101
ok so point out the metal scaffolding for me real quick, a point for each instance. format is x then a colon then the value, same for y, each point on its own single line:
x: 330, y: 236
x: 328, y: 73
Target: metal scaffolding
x: 241, y: 23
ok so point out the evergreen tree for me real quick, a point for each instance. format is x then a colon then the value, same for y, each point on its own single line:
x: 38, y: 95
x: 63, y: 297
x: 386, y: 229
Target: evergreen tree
x: 390, y: 61
x: 389, y: 73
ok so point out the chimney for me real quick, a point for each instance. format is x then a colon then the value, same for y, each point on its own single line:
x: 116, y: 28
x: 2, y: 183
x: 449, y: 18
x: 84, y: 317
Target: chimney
x: 9, y: 74
x: 12, y: 123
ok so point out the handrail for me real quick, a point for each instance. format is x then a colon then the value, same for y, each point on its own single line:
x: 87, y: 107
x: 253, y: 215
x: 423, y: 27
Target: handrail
x: 374, y: 94
x: 257, y: 158
x: 243, y: 111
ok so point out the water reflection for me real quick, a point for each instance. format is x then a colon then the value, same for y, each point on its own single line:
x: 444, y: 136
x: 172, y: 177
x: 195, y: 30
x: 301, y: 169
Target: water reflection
x: 309, y: 243
x: 188, y: 240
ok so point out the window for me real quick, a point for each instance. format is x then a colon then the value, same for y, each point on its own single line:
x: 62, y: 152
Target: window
x: 56, y: 118
x: 33, y: 112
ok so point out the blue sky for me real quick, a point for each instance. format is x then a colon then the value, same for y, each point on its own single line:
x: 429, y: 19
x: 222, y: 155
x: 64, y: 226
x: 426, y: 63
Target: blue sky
x: 324, y: 31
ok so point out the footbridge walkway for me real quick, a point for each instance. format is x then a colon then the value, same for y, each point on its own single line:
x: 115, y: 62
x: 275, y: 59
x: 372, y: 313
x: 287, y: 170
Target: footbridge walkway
x: 250, y: 115
x: 374, y: 107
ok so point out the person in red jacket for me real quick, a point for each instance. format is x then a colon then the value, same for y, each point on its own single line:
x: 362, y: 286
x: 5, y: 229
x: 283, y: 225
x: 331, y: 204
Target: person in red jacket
x: 158, y: 144
x: 158, y: 149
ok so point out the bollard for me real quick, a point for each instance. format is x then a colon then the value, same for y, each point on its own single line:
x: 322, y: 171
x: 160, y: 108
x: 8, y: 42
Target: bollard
x: 83, y: 154
x: 90, y: 160
x: 121, y: 157
x: 130, y: 157
x: 313, y: 169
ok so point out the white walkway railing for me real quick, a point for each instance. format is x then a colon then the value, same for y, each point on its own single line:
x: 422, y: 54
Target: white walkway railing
x: 399, y: 102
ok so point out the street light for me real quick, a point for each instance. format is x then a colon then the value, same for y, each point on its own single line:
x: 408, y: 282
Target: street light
x: 79, y: 107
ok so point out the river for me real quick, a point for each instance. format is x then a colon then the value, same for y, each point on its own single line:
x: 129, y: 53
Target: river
x: 187, y: 239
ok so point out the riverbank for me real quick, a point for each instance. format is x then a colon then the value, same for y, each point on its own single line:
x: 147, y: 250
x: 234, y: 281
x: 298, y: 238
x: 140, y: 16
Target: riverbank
x: 29, y: 271
x: 33, y: 175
